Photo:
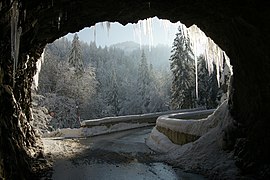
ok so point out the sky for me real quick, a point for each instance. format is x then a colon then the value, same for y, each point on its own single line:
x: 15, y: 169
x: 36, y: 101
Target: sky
x: 160, y: 32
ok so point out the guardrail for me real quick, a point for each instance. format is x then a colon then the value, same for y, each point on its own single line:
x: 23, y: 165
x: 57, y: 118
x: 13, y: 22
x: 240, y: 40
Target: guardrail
x: 142, y: 118
x: 185, y: 127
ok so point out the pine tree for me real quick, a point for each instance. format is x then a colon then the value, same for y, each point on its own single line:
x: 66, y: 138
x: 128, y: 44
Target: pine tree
x: 113, y: 94
x: 76, y: 63
x: 182, y: 67
x: 75, y: 56
x: 213, y: 89
x: 143, y: 83
x: 203, y: 82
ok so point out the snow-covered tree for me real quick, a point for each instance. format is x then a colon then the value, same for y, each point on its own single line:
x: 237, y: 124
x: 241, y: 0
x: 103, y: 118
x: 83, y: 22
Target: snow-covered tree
x: 203, y: 82
x: 143, y: 83
x: 76, y: 64
x: 207, y: 85
x: 182, y: 67
x: 113, y: 94
x: 71, y: 88
x: 111, y: 88
x: 75, y: 56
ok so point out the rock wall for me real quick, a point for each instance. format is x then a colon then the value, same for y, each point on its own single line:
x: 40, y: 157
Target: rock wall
x: 241, y: 28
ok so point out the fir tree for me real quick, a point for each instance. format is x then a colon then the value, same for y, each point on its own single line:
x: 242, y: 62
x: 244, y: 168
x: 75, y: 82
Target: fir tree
x: 75, y: 56
x: 143, y: 83
x: 182, y: 67
x: 113, y: 95
x: 76, y: 63
x: 212, y: 90
x: 203, y: 82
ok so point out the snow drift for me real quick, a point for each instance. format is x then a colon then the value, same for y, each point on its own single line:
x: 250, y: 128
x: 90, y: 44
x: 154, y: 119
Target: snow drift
x: 205, y: 155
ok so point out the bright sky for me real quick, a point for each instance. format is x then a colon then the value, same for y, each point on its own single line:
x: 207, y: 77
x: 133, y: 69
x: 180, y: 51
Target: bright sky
x: 163, y: 32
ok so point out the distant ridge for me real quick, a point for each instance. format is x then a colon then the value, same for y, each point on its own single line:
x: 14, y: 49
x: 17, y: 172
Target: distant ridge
x: 127, y: 46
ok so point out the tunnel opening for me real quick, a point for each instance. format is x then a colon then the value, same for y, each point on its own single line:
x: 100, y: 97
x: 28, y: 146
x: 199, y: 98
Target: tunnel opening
x: 114, y: 76
x: 240, y: 28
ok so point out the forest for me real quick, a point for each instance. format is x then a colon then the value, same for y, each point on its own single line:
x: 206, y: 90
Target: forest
x: 79, y: 81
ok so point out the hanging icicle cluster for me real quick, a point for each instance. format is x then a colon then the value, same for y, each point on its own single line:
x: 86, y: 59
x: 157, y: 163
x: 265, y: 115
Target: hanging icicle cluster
x: 201, y: 44
x: 107, y: 26
x: 144, y: 27
x: 15, y: 36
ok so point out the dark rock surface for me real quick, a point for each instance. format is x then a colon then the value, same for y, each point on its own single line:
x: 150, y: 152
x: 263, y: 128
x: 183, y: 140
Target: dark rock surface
x: 241, y: 28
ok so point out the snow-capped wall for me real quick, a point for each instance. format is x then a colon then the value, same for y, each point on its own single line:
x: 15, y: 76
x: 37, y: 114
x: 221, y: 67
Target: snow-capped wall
x: 182, y: 128
x: 141, y: 118
x: 206, y: 155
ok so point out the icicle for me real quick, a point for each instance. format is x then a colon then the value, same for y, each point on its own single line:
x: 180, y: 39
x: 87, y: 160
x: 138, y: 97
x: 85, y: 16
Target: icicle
x: 24, y: 14
x: 59, y: 20
x: 150, y: 33
x: 15, y: 37
x: 166, y: 27
x: 212, y: 52
x: 95, y: 33
x: 144, y: 25
x: 38, y: 65
x: 144, y: 28
x: 101, y: 24
x: 227, y: 61
x: 196, y: 74
x: 108, y: 26
x: 138, y: 33
x: 59, y: 23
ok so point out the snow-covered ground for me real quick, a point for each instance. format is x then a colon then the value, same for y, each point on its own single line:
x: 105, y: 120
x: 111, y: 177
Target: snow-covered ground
x: 205, y: 155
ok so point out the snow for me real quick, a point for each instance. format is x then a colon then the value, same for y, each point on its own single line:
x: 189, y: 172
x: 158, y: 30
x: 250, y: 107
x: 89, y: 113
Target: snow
x: 137, y: 118
x: 193, y: 127
x: 160, y: 143
x: 204, y: 155
x: 96, y: 130
x: 60, y: 149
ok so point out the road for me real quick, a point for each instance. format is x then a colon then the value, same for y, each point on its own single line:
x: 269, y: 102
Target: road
x: 119, y: 156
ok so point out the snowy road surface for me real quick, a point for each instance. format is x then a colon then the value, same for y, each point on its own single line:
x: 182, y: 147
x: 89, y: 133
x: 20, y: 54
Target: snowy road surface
x: 121, y: 156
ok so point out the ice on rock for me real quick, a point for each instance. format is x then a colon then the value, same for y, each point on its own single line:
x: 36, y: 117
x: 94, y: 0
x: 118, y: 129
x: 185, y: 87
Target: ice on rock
x: 38, y: 65
x: 15, y: 37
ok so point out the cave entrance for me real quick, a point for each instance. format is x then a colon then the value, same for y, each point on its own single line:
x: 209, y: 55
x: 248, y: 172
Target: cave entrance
x: 240, y: 28
x: 128, y: 75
